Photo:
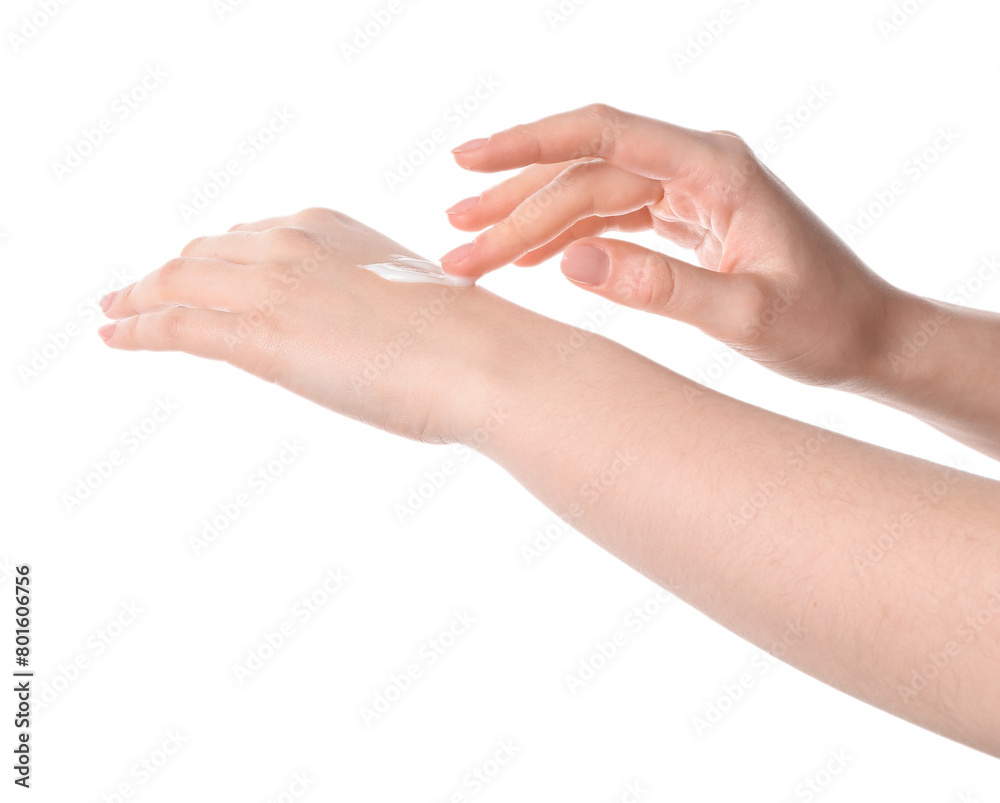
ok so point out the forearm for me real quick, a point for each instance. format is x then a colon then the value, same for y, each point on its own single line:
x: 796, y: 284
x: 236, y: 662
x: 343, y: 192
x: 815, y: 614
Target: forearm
x: 762, y: 523
x: 941, y: 363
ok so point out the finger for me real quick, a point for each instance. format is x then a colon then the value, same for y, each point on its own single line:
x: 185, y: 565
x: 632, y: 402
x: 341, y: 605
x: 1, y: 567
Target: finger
x: 498, y: 201
x: 262, y: 225
x: 719, y: 304
x: 311, y: 216
x: 589, y: 227
x: 188, y: 282
x: 252, y: 247
x: 686, y: 235
x: 581, y: 190
x: 241, y: 247
x: 642, y: 145
x: 202, y: 332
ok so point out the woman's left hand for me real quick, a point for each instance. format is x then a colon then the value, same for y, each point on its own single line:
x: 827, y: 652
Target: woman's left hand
x: 284, y: 299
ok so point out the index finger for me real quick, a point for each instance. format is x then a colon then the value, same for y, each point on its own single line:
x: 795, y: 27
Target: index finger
x: 641, y: 145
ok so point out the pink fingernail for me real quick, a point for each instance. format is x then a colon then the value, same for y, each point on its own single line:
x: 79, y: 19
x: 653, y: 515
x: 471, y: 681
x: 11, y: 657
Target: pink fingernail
x: 471, y: 145
x: 107, y: 330
x: 586, y: 264
x: 106, y: 301
x: 463, y: 206
x: 458, y: 254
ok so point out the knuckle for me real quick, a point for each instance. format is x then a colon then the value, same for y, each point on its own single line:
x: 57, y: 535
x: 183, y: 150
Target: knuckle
x: 493, y: 197
x: 124, y: 336
x: 730, y: 144
x: 192, y: 246
x: 563, y: 183
x: 738, y: 165
x: 725, y: 135
x: 286, y: 238
x: 171, y: 271
x: 576, y: 172
x: 601, y: 111
x: 572, y: 185
x: 612, y: 124
x: 123, y: 298
x: 522, y: 130
x: 317, y: 215
x: 171, y: 326
x: 513, y: 231
x: 651, y: 284
x: 528, y: 134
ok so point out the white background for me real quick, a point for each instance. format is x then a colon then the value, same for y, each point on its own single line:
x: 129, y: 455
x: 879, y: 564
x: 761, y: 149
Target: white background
x: 69, y: 401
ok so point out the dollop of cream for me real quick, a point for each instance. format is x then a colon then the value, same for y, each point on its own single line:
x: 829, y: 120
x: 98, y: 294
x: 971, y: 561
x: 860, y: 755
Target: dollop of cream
x: 409, y: 269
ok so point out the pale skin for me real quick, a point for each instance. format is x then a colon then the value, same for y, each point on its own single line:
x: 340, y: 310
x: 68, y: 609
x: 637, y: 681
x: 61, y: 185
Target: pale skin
x: 884, y: 566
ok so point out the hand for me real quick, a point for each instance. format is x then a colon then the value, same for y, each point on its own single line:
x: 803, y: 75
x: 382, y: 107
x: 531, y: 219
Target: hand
x: 284, y: 299
x: 776, y: 284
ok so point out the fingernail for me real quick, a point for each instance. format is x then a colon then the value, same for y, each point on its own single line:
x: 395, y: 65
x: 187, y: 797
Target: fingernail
x: 106, y: 301
x: 463, y: 206
x: 459, y: 253
x: 471, y: 145
x: 106, y: 331
x: 586, y: 264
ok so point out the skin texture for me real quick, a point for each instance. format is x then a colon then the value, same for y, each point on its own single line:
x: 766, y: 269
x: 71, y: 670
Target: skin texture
x: 774, y: 283
x: 284, y: 299
x: 881, y: 564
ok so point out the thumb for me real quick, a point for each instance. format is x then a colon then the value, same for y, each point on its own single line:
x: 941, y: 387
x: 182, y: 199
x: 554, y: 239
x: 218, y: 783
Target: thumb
x: 720, y: 304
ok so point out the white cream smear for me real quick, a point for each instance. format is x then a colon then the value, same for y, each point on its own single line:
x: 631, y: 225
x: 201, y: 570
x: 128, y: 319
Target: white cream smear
x: 408, y: 269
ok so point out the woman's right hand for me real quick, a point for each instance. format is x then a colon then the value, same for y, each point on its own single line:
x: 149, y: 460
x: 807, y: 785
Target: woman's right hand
x: 775, y: 283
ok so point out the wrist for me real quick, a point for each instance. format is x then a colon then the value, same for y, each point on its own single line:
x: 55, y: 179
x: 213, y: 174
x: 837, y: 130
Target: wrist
x: 904, y: 363
x: 503, y: 356
x: 529, y: 370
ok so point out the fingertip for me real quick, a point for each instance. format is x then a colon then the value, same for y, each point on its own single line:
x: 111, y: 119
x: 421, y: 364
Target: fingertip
x: 467, y: 269
x: 462, y: 279
x: 464, y: 206
x: 470, y: 146
x: 466, y: 215
x: 469, y: 225
x: 475, y: 155
x: 107, y: 331
x: 457, y: 255
x: 464, y: 273
x: 116, y: 304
